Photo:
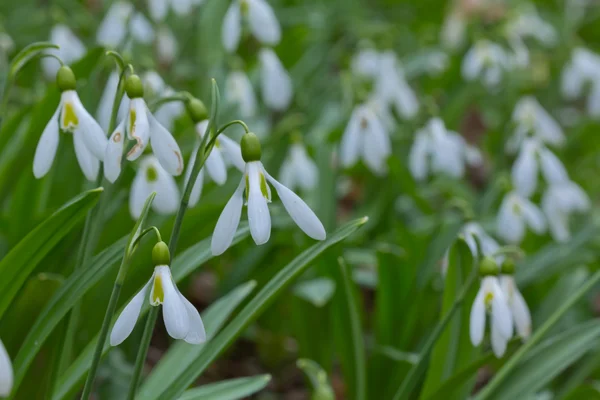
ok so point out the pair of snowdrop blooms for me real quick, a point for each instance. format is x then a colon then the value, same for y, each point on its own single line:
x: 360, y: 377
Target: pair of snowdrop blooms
x: 181, y: 318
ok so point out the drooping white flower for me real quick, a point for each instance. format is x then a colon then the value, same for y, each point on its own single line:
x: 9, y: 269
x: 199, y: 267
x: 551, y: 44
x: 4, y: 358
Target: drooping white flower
x: 255, y: 186
x: 152, y: 177
x: 583, y: 68
x: 479, y: 241
x: 491, y: 299
x: 239, y: 91
x: 518, y: 307
x: 438, y: 150
x: 453, y: 31
x: 486, y: 61
x: 88, y: 137
x: 166, y: 45
x: 261, y: 19
x: 366, y: 62
x: 181, y: 318
x: 558, y: 202
x: 6, y: 372
x: 298, y: 170
x: 160, y: 8
x: 70, y: 49
x: 531, y: 119
x: 515, y: 214
x: 524, y: 172
x: 391, y: 87
x: 113, y: 28
x: 365, y: 138
x: 225, y: 151
x: 276, y: 84
x: 527, y: 23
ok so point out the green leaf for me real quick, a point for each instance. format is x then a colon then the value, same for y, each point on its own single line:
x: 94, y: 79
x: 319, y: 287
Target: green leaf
x: 316, y: 291
x: 26, y: 55
x: 20, y: 262
x: 231, y: 389
x: 254, y: 309
x: 322, y: 389
x: 182, y: 354
x: 183, y: 265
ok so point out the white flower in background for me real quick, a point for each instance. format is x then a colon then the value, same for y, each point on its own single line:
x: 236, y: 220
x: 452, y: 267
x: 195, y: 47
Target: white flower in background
x: 440, y: 151
x: 261, y: 19
x: 258, y: 195
x: 583, y: 68
x: 141, y: 29
x: 152, y: 177
x: 155, y: 87
x: 298, y: 170
x: 527, y: 23
x: 515, y: 214
x: 559, y: 202
x: 435, y: 62
x: 366, y: 62
x: 166, y: 45
x: 531, y: 119
x: 140, y: 125
x: 519, y: 58
x: 276, y: 84
x: 6, y: 44
x: 120, y: 20
x: 181, y: 318
x: 225, y: 151
x: 491, y: 299
x: 72, y: 117
x: 391, y: 87
x: 486, y: 61
x: 524, y: 171
x: 160, y: 8
x: 366, y: 137
x: 478, y: 239
x: 239, y: 91
x: 518, y: 307
x: 105, y: 105
x: 453, y: 31
x: 71, y: 49
x: 6, y: 372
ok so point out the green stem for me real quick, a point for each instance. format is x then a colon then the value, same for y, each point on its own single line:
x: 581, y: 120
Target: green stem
x: 141, y: 357
x: 488, y: 391
x: 417, y: 370
x: 237, y: 121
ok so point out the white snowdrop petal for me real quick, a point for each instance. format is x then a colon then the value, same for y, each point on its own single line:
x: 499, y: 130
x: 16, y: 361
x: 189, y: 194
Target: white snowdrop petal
x: 287, y: 174
x: 499, y: 342
x: 239, y: 91
x: 263, y: 22
x: 417, y: 158
x: 276, y: 84
x: 46, y: 147
x: 552, y: 168
x: 509, y: 225
x: 228, y: 221
x: 196, y: 333
x: 112, y: 29
x: 140, y: 190
x: 593, y: 101
x: 233, y: 152
x: 128, y: 317
x: 232, y: 27
x: 350, y: 146
x: 166, y: 45
x: 501, y: 315
x: 258, y: 210
x: 114, y: 153
x: 197, y: 189
x: 521, y: 314
x: 299, y: 211
x: 88, y: 163
x: 175, y: 314
x: 167, y: 193
x: 181, y: 7
x: 164, y: 147
x: 534, y: 217
x: 215, y: 166
x: 138, y: 127
x: 106, y: 101
x: 6, y: 372
x: 472, y: 65
x: 141, y: 29
x: 405, y: 101
x: 524, y: 171
x: 158, y: 9
x: 92, y: 134
x: 477, y: 319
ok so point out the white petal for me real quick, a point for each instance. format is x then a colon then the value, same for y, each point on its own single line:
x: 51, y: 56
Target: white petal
x: 593, y: 102
x: 197, y: 189
x: 232, y: 27
x: 498, y: 341
x: 287, y: 174
x: 196, y: 333
x: 258, y: 211
x: 140, y: 190
x: 141, y: 29
x: 405, y: 101
x: 524, y: 171
x: 106, y: 101
x: 167, y: 193
x: 139, y: 130
x: 158, y: 9
x: 350, y: 147
x: 128, y: 317
x: 175, y: 313
x: 46, y: 148
x: 215, y: 166
x: 263, y: 22
x: 521, y: 314
x: 417, y: 158
x: 533, y: 217
x: 112, y: 29
x: 552, y: 169
x: 165, y: 148
x: 228, y: 221
x: 92, y: 134
x: 472, y: 64
x: 547, y: 129
x: 509, y: 224
x: 166, y: 45
x: 300, y: 212
x: 181, y: 7
x: 88, y: 163
x: 233, y: 152
x: 276, y: 84
x: 114, y: 153
x: 477, y: 319
x: 501, y: 315
x: 376, y: 146
x: 239, y: 91
x: 6, y: 372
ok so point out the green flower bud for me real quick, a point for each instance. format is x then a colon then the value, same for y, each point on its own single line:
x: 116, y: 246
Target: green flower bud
x: 250, y: 147
x: 160, y: 254
x: 197, y: 110
x: 134, y: 87
x: 508, y: 266
x: 65, y: 79
x: 488, y: 267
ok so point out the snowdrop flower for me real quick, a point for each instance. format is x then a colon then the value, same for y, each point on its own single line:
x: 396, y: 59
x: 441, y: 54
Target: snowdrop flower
x: 525, y: 169
x: 366, y: 137
x: 70, y: 49
x: 166, y: 45
x: 276, y: 84
x: 516, y: 302
x: 366, y: 62
x: 453, y: 31
x: 438, y: 150
x: 491, y: 299
x: 160, y: 8
x: 516, y: 213
x: 486, y: 61
x: 261, y: 19
x: 6, y: 372
x: 181, y: 318
x: 152, y: 177
x: 583, y: 68
x: 528, y: 23
x: 238, y: 90
x: 120, y: 20
x: 70, y: 116
x: 141, y: 126
x: 558, y: 202
x: 530, y: 118
x: 392, y: 88
x: 258, y: 194
x: 476, y: 239
x: 298, y: 169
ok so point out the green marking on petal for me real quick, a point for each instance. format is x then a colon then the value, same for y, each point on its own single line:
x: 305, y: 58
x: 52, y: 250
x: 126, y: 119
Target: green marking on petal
x: 69, y: 118
x: 489, y: 296
x: 132, y: 117
x: 151, y: 174
x: 247, y: 189
x: 264, y: 188
x: 158, y: 294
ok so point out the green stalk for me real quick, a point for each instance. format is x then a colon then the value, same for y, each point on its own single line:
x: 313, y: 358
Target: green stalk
x: 141, y: 356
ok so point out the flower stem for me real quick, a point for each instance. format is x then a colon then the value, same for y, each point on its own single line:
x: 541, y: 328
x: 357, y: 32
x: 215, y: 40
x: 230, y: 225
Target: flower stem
x: 237, y: 121
x: 143, y: 350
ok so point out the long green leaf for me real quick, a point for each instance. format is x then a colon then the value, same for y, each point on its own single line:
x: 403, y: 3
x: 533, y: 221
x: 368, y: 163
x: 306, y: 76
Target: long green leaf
x: 254, y: 309
x: 232, y: 389
x: 20, y: 262
x: 27, y: 54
